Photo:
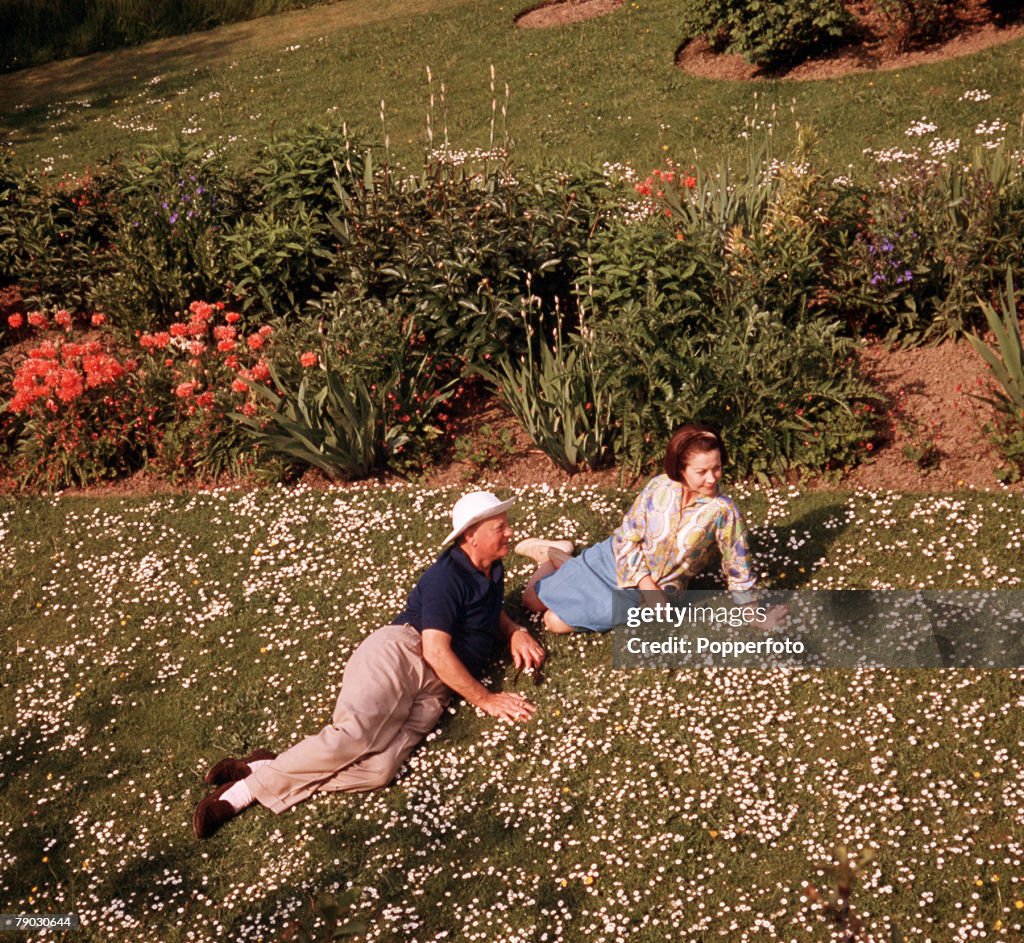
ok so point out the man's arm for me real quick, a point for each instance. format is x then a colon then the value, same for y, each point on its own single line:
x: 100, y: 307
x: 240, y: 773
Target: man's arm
x: 527, y: 652
x: 437, y: 652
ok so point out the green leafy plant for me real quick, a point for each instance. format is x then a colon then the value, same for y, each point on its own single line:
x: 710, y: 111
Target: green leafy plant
x: 1006, y: 361
x: 559, y: 399
x: 920, y: 449
x: 772, y: 34
x: 487, y: 449
x: 338, y: 428
x: 173, y: 205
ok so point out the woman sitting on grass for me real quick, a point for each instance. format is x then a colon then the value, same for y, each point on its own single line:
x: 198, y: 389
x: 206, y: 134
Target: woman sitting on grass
x: 667, y: 537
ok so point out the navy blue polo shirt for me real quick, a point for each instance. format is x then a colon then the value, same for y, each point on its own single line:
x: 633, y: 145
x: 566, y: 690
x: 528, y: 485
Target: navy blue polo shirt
x: 455, y: 597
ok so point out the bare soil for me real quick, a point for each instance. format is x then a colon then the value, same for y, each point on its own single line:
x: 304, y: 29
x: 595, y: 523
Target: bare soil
x: 563, y: 12
x: 977, y: 27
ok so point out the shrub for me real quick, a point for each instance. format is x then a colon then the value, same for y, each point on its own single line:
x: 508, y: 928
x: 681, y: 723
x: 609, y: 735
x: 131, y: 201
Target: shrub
x: 786, y: 396
x: 932, y: 239
x: 280, y: 253
x: 193, y: 376
x: 173, y: 206
x: 81, y: 412
x: 55, y: 236
x: 460, y: 252
x: 915, y: 22
x: 771, y: 34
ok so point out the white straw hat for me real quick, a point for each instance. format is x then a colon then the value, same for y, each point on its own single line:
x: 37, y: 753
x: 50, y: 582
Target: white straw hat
x: 475, y: 507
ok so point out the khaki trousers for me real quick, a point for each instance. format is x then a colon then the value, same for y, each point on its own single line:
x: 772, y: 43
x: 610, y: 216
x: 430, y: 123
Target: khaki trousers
x: 390, y: 700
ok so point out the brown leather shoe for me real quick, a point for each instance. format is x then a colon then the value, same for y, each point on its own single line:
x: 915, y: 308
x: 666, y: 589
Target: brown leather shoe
x: 212, y: 813
x: 232, y: 769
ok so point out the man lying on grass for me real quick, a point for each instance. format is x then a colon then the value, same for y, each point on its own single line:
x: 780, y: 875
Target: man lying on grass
x: 399, y: 680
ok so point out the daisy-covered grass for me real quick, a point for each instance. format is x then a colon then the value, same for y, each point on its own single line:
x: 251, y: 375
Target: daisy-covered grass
x: 145, y: 638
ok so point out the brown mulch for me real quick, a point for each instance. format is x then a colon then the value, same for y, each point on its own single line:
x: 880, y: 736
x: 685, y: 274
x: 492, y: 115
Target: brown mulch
x: 562, y: 12
x: 933, y: 395
x: 976, y: 28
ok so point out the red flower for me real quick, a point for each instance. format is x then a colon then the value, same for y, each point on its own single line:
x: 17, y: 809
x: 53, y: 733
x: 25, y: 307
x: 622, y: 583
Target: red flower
x: 232, y: 317
x: 239, y: 386
x: 261, y: 372
x: 155, y: 341
x: 15, y: 321
x: 37, y: 319
x: 185, y: 390
x: 99, y: 319
x: 255, y: 341
x: 309, y: 359
x: 63, y: 318
x: 205, y: 400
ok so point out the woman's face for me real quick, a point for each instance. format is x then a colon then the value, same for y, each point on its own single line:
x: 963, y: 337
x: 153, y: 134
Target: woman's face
x: 703, y: 472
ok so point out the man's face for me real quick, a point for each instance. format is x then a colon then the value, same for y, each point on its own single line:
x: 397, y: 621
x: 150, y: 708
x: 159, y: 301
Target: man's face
x: 491, y: 538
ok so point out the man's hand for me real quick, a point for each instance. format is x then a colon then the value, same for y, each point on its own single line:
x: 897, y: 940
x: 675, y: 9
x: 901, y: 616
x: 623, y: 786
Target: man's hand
x: 508, y: 706
x: 527, y: 652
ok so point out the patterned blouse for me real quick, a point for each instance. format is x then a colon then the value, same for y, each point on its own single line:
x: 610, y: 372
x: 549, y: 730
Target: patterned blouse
x: 661, y: 539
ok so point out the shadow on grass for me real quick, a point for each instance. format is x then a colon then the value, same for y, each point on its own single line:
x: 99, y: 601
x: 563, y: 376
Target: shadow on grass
x: 91, y: 103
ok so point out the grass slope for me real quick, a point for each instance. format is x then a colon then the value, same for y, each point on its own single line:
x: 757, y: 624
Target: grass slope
x: 605, y: 89
x: 145, y: 638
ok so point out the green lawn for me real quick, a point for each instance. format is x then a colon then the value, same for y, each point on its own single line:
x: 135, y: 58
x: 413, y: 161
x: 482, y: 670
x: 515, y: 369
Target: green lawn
x: 144, y: 638
x: 601, y: 90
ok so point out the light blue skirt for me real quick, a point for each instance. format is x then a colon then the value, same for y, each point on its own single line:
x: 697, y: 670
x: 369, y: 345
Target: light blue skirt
x: 583, y: 591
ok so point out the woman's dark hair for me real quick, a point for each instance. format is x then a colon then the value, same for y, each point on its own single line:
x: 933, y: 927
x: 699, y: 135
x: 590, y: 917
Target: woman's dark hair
x: 690, y: 440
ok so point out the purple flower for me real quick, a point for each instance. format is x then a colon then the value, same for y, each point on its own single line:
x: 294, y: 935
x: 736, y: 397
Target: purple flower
x: 173, y: 218
x: 887, y: 246
x: 877, y: 278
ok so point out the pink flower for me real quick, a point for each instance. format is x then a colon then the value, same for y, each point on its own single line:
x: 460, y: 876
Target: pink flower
x: 37, y: 319
x: 185, y: 390
x: 206, y: 400
x: 309, y: 359
x: 239, y: 386
x: 99, y: 319
x: 255, y: 341
x: 15, y: 321
x: 232, y: 317
x: 63, y: 318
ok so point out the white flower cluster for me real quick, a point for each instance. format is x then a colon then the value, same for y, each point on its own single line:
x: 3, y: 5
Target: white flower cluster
x: 920, y: 128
